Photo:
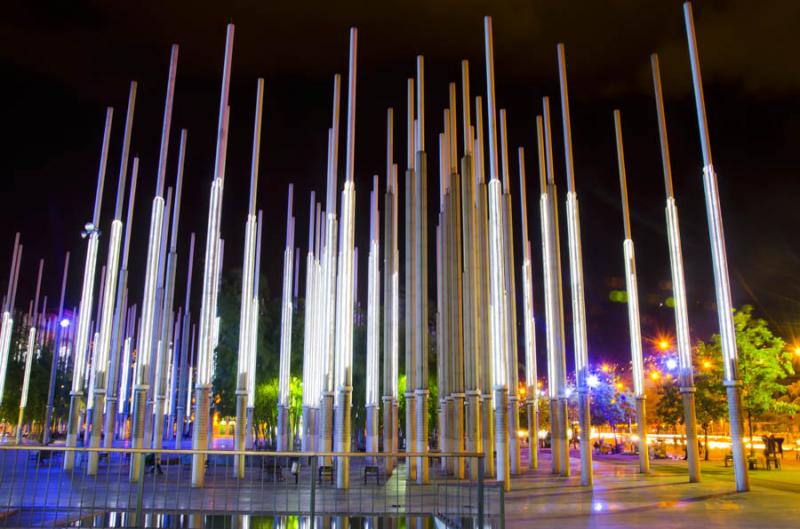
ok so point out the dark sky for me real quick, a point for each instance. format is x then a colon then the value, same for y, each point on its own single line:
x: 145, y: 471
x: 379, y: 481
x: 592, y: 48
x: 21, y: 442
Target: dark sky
x: 63, y: 62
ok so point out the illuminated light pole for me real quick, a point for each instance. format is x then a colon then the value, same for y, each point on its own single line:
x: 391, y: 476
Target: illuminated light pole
x: 580, y: 345
x: 8, y: 312
x: 211, y: 273
x: 286, y: 331
x: 248, y: 272
x: 511, y: 305
x: 148, y: 324
x: 309, y: 342
x: 85, y: 311
x: 121, y: 304
x: 410, y: 280
x: 124, y: 406
x: 421, y: 281
x: 26, y: 377
x: 389, y: 301
x: 372, y: 403
x: 720, y: 260
x: 183, y: 362
x: 344, y: 300
x: 497, y: 287
x: 529, y: 322
x: 686, y: 377
x: 100, y: 359
x: 51, y: 391
x: 633, y: 305
x: 328, y: 297
x: 554, y: 300
x: 482, y: 298
x: 472, y: 323
x: 167, y: 316
x: 253, y: 342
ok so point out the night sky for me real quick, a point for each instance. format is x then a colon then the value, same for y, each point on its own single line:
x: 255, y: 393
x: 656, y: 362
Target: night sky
x: 64, y: 62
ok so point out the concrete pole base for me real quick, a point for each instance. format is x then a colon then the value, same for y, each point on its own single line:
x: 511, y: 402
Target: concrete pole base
x: 449, y: 438
x: 373, y: 425
x: 395, y: 428
x: 422, y: 435
x: 584, y: 419
x: 472, y: 411
x: 513, y: 435
x: 342, y: 413
x: 501, y: 436
x: 737, y: 436
x: 325, y: 427
x: 249, y: 434
x: 690, y: 422
x: 73, y: 426
x: 241, y: 432
x: 158, y: 422
x: 458, y: 440
x: 137, y: 430
x: 97, y: 429
x: 555, y: 437
x: 200, y: 433
x: 487, y: 418
x: 283, y: 428
x: 411, y: 437
x: 388, y: 433
x: 563, y: 426
x: 110, y: 421
x: 180, y: 422
x: 641, y: 425
x: 309, y: 418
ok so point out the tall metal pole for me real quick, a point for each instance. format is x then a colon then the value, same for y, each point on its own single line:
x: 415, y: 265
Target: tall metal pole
x: 8, y: 314
x: 51, y: 389
x: 372, y: 392
x: 482, y: 300
x: 26, y: 377
x: 344, y: 300
x: 208, y: 310
x: 410, y: 289
x: 167, y: 316
x: 389, y: 315
x: 684, y: 346
x: 579, y: 339
x: 183, y: 380
x: 121, y: 305
x: 421, y: 276
x: 248, y: 271
x: 497, y: 287
x: 286, y: 331
x: 554, y: 304
x: 529, y: 322
x: 101, y: 363
x: 85, y: 312
x: 720, y: 260
x: 511, y: 305
x: 309, y: 342
x: 633, y: 305
x: 251, y: 371
x: 328, y: 301
x: 148, y: 324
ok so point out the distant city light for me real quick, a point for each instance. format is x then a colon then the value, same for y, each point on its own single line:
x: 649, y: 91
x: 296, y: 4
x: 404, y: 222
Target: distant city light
x: 663, y: 345
x: 568, y: 392
x: 592, y: 381
x: 672, y: 364
x: 64, y: 323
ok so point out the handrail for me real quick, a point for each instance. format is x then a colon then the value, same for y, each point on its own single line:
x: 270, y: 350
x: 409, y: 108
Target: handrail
x: 264, y: 453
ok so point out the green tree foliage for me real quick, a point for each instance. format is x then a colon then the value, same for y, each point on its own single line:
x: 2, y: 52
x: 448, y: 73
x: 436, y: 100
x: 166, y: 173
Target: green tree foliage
x: 764, y: 364
x: 669, y: 408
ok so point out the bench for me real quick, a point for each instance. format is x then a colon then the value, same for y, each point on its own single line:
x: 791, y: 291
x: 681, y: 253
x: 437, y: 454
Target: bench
x: 728, y: 459
x: 373, y: 470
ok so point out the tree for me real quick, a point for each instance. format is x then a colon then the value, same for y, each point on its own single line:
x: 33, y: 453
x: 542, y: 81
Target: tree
x: 669, y: 408
x: 763, y: 365
x: 610, y: 403
x: 709, y: 398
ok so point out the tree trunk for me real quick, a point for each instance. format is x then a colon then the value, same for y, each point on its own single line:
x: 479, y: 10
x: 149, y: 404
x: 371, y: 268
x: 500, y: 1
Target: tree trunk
x: 750, y: 426
x: 705, y: 433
